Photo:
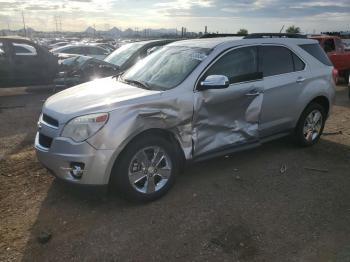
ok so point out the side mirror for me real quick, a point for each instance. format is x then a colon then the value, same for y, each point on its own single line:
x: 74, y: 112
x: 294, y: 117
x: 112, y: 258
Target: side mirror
x: 214, y: 82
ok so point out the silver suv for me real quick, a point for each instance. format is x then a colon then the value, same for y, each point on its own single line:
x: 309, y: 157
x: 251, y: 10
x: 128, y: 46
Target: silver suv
x: 190, y: 100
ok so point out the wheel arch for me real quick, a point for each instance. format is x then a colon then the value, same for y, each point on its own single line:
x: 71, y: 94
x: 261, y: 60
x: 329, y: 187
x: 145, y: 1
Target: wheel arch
x: 167, y: 134
x: 321, y: 100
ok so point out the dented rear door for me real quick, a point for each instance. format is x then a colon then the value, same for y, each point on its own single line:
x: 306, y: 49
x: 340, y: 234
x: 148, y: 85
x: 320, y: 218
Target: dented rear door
x: 229, y: 117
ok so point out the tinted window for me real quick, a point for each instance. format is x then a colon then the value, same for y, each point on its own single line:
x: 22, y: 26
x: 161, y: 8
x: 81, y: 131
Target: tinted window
x: 238, y: 65
x: 316, y: 51
x: 96, y: 51
x: 73, y: 50
x: 275, y: 60
x: 24, y: 49
x: 21, y: 49
x: 298, y: 64
x: 329, y: 45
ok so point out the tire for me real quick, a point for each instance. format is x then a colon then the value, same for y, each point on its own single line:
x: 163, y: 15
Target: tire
x: 306, y: 133
x: 132, y: 179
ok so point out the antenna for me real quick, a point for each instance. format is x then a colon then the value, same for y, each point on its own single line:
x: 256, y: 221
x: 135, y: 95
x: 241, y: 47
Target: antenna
x: 282, y: 29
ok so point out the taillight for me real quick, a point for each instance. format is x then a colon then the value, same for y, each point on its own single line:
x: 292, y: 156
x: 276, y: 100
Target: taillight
x: 335, y: 75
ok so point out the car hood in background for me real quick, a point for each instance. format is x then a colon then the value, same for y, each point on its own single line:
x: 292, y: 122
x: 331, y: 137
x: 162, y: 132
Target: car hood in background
x: 102, y: 95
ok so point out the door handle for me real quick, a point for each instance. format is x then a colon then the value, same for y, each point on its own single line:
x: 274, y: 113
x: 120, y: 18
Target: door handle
x: 253, y: 92
x: 300, y: 79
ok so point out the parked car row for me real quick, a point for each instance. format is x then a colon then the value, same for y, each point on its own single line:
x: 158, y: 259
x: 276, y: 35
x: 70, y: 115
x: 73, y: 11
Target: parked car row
x: 24, y: 62
x: 80, y: 69
x: 189, y: 101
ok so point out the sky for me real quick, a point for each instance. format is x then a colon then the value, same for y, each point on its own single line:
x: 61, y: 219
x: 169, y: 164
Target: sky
x: 224, y: 16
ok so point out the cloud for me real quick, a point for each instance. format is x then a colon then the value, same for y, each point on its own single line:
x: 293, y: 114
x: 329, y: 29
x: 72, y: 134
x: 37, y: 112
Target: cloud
x: 223, y: 15
x: 84, y: 1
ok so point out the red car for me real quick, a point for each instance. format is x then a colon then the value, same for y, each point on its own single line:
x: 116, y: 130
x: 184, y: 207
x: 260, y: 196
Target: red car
x: 335, y: 49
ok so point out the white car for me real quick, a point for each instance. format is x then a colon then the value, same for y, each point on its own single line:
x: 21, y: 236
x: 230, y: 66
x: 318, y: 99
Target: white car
x: 85, y: 50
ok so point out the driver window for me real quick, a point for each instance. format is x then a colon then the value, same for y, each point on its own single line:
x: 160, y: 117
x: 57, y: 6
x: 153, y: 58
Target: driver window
x: 239, y: 65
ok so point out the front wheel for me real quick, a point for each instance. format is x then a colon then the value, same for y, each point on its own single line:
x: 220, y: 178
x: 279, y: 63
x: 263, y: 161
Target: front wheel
x: 146, y: 169
x: 310, y: 125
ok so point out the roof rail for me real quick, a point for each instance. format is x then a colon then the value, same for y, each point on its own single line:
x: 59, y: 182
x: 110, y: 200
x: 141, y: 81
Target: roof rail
x: 220, y: 35
x: 274, y: 35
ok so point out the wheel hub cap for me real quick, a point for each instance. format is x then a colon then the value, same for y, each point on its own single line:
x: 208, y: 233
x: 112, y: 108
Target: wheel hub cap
x: 150, y: 170
x: 313, y: 125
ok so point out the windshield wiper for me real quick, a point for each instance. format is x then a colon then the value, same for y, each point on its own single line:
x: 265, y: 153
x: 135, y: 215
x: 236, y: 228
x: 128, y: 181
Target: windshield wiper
x: 138, y: 83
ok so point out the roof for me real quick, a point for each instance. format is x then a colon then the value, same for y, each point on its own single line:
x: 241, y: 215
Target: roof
x: 211, y: 43
x: 152, y: 41
x: 274, y: 35
x: 15, y: 38
x: 322, y: 36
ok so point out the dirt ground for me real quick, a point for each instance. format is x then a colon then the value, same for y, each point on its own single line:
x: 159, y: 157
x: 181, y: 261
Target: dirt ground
x: 234, y: 208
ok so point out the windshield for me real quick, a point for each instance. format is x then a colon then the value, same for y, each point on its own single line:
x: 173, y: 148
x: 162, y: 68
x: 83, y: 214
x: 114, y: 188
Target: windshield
x: 76, y: 60
x: 122, y: 54
x: 166, y: 68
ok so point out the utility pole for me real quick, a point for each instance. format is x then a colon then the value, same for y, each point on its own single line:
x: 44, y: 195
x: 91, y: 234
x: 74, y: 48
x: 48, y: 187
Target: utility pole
x: 206, y: 30
x: 56, y: 24
x: 60, y: 17
x: 24, y: 25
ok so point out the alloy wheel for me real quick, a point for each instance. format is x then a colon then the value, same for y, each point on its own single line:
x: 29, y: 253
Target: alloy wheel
x: 150, y: 170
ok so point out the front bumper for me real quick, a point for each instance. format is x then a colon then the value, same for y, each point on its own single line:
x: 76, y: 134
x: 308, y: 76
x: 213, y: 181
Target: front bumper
x: 63, y: 152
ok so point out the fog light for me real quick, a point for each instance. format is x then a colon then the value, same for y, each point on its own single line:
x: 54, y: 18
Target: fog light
x: 77, y: 169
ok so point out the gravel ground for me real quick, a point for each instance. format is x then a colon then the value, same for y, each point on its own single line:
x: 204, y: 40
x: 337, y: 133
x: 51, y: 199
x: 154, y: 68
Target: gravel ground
x: 234, y: 208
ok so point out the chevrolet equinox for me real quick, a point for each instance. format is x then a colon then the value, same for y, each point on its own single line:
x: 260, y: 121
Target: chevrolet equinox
x: 190, y: 100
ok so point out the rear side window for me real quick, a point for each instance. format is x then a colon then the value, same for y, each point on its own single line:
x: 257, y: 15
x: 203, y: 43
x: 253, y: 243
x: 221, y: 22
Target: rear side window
x: 239, y: 65
x: 298, y: 64
x: 317, y: 52
x: 275, y: 60
x: 24, y: 49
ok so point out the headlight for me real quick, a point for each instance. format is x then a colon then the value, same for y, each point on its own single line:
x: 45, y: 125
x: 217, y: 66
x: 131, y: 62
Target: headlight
x: 83, y: 127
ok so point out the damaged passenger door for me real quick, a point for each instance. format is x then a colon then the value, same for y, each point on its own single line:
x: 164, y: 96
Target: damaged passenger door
x: 228, y: 115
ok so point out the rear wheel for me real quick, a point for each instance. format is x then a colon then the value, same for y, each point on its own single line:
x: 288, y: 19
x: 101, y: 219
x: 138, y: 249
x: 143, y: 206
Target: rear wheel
x: 310, y: 125
x: 146, y: 169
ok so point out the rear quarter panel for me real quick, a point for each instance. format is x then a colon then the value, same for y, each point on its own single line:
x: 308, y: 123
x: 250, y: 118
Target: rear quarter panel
x: 320, y: 83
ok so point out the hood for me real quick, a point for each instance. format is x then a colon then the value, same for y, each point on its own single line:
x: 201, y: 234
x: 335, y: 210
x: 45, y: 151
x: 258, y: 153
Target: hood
x: 102, y: 95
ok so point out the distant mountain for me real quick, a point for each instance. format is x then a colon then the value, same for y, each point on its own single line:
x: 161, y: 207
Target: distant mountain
x: 90, y: 30
x: 115, y: 32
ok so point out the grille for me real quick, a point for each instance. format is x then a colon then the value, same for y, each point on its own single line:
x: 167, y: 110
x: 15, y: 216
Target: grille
x: 45, y: 141
x: 49, y: 120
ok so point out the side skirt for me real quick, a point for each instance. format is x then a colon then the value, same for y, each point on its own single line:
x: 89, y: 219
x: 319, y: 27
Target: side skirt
x: 238, y: 148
